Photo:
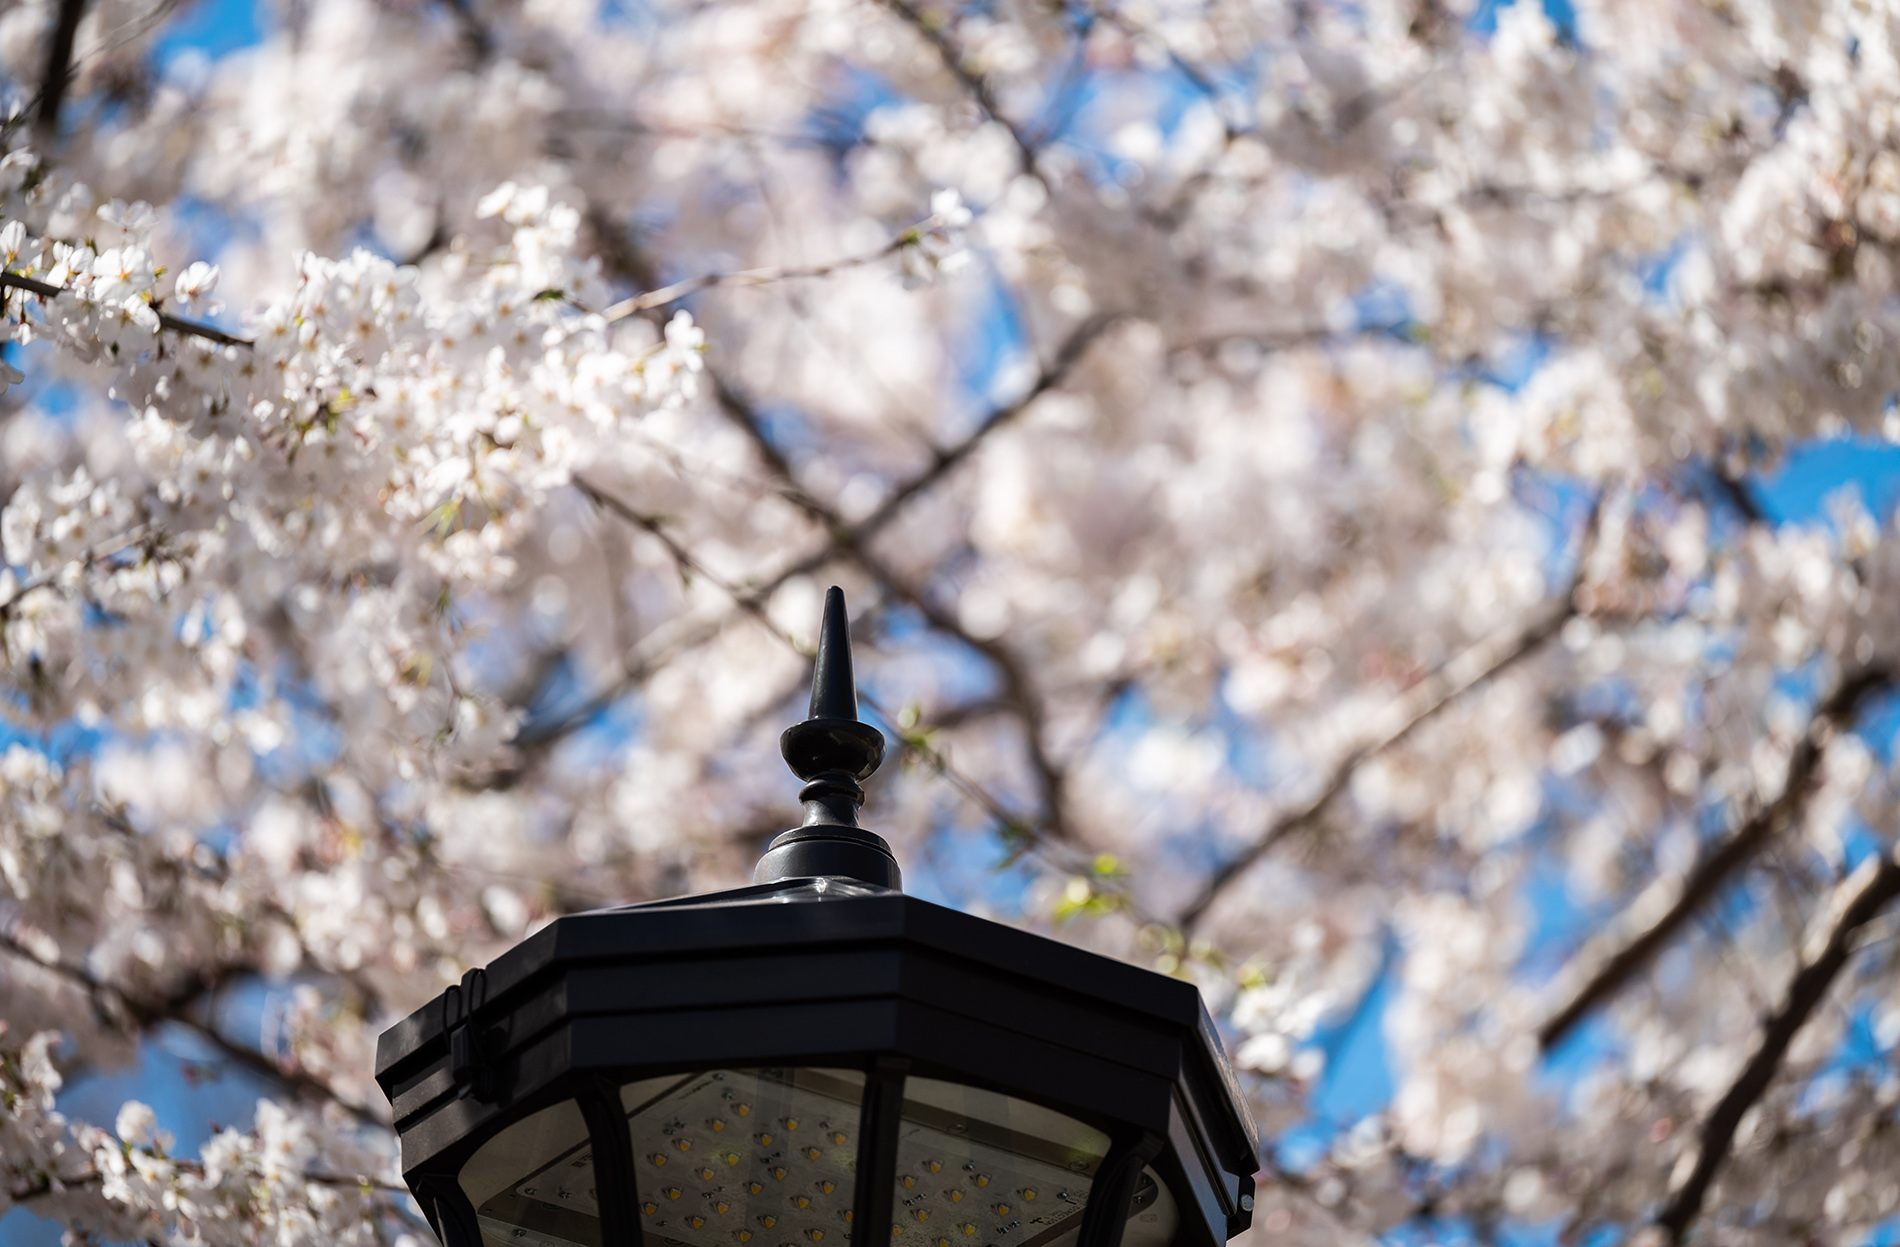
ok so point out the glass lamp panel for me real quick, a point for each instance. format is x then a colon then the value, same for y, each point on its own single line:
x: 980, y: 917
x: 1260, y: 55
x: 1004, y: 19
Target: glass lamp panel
x: 532, y: 1185
x: 767, y: 1157
x: 1153, y: 1217
x: 978, y: 1168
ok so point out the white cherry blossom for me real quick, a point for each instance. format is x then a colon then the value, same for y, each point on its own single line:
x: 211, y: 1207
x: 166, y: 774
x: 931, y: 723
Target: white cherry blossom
x: 1305, y: 478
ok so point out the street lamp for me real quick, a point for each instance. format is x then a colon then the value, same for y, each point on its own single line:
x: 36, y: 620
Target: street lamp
x: 817, y: 1059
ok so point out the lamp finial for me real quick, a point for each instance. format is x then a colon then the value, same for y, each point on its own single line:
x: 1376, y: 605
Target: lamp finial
x: 834, y: 694
x: 833, y: 752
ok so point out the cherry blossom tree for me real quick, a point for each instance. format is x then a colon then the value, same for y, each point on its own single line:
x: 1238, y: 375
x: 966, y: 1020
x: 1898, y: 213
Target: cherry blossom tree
x: 1297, y: 469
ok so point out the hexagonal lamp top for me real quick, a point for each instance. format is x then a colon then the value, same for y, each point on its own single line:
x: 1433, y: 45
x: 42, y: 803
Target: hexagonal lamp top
x: 817, y: 1059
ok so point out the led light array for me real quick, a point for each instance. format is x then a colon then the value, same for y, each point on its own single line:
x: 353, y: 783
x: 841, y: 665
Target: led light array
x: 769, y: 1158
x: 954, y: 1191
x: 766, y: 1158
x: 556, y: 1206
x: 568, y: 1183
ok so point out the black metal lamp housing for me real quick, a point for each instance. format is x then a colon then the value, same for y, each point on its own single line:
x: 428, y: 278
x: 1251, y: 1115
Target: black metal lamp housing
x: 817, y: 1059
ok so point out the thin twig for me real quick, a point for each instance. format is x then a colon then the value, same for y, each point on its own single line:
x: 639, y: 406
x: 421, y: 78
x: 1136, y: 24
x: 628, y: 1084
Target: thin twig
x: 1622, y: 953
x: 914, y: 740
x: 765, y: 276
x: 104, y: 550
x: 178, y: 324
x: 840, y: 537
x: 932, y: 30
x: 852, y: 541
x: 1424, y: 701
x: 354, y: 1179
x: 1201, y: 80
x: 1048, y: 378
x: 1856, y: 902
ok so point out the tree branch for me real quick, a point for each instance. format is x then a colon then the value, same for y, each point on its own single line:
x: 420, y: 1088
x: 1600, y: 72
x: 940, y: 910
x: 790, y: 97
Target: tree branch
x: 144, y: 1013
x: 178, y: 324
x: 852, y: 542
x: 765, y: 276
x: 842, y: 536
x: 1633, y: 951
x: 474, y: 31
x: 916, y: 740
x: 1856, y: 902
x: 931, y: 28
x: 59, y: 63
x: 1739, y: 493
x: 1051, y: 375
x: 1473, y: 667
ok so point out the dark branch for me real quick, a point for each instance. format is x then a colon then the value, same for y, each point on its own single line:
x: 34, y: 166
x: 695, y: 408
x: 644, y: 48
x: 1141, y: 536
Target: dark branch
x: 1714, y: 871
x: 47, y: 290
x: 1859, y: 900
x: 931, y: 28
x: 1739, y: 494
x: 474, y: 31
x: 916, y: 741
x: 853, y: 542
x: 177, y: 1007
x: 842, y: 536
x: 1473, y: 667
x: 1019, y: 692
x: 59, y: 63
x: 1052, y: 375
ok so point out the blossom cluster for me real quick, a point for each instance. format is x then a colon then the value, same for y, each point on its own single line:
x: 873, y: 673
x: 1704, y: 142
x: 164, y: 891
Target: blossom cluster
x: 1312, y: 482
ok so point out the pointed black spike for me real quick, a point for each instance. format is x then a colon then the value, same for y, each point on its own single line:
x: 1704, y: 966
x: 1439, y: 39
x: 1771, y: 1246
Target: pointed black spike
x: 833, y: 752
x: 834, y: 694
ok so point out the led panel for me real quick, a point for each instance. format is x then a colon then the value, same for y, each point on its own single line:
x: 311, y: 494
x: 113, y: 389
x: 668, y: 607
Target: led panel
x: 980, y: 1169
x: 533, y: 1184
x: 765, y: 1157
